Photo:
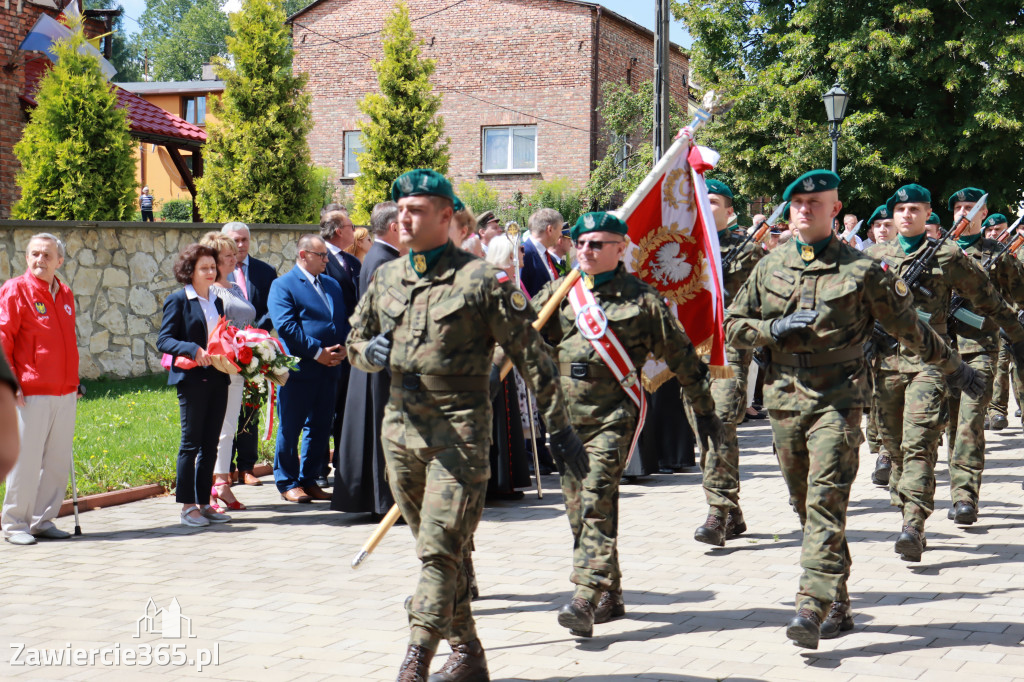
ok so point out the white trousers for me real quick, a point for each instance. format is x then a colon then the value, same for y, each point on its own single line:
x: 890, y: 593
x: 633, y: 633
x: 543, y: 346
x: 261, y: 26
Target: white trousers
x: 38, y: 481
x: 226, y: 444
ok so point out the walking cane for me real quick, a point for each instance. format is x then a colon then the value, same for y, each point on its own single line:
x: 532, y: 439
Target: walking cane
x: 542, y: 319
x: 74, y: 495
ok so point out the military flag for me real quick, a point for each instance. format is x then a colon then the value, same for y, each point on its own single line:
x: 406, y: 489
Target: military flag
x: 674, y: 248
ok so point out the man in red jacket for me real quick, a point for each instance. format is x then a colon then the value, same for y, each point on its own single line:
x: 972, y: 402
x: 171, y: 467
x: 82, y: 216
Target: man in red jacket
x: 37, y: 329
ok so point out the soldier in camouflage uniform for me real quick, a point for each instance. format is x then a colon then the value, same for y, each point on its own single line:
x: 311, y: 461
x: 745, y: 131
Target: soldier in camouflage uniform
x: 434, y: 319
x: 813, y: 304
x: 909, y: 391
x: 996, y: 420
x: 604, y: 415
x: 721, y: 467
x: 979, y: 347
x: 882, y: 219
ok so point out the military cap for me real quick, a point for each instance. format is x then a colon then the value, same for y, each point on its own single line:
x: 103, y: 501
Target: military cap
x: 812, y: 181
x: 966, y: 194
x: 718, y: 187
x: 881, y: 213
x: 934, y: 219
x: 908, y: 194
x: 422, y: 182
x: 598, y: 222
x: 995, y: 219
x: 484, y: 218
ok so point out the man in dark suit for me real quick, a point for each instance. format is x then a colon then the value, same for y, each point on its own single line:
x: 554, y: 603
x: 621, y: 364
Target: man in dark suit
x: 308, y: 310
x: 360, y: 484
x: 337, y: 231
x: 254, y: 277
x: 539, y: 267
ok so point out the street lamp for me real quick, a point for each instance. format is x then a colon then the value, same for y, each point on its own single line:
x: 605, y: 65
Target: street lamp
x: 835, y: 100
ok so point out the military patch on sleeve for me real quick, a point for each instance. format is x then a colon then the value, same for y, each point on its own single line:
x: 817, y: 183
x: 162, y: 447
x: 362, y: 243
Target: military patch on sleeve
x: 901, y: 288
x: 518, y: 300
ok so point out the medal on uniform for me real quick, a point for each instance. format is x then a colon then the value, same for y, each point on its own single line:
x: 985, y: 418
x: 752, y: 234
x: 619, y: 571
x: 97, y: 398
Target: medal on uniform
x: 807, y: 252
x: 588, y: 280
x: 419, y: 263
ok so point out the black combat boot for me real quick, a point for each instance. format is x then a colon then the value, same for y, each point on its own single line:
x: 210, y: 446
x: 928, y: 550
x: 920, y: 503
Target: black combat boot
x: 998, y: 422
x: 734, y: 524
x: 578, y: 616
x: 839, y: 620
x: 883, y: 468
x: 416, y: 665
x: 466, y: 664
x: 610, y: 607
x: 963, y: 513
x: 712, y: 532
x: 910, y: 544
x: 804, y: 629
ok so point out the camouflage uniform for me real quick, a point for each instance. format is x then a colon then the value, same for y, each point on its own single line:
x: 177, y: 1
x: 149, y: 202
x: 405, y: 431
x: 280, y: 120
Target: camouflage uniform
x: 437, y: 424
x: 604, y: 416
x: 1004, y: 384
x: 817, y: 387
x: 721, y: 470
x: 980, y: 348
x: 909, y: 390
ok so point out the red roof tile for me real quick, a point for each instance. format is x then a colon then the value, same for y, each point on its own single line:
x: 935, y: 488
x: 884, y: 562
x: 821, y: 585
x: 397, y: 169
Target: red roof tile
x: 144, y: 117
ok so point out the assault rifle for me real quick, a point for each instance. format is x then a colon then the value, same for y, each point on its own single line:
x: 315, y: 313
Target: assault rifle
x: 755, y: 234
x: 957, y: 302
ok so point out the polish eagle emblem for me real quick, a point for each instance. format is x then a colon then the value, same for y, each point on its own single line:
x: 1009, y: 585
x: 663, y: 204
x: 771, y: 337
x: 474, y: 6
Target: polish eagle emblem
x: 668, y: 259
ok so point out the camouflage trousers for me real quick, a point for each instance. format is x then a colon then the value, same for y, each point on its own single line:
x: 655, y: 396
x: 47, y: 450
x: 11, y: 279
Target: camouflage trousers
x: 592, y: 505
x: 818, y: 455
x: 909, y: 407
x: 721, y: 468
x: 874, y: 436
x: 966, y: 433
x: 1005, y: 380
x: 441, y: 492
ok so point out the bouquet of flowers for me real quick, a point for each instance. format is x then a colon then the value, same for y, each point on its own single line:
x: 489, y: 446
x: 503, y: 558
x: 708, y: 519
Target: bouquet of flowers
x: 264, y: 365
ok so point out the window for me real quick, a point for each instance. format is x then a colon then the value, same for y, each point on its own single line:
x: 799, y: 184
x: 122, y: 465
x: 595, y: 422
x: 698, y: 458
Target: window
x: 510, y: 149
x: 354, y: 146
x: 193, y: 110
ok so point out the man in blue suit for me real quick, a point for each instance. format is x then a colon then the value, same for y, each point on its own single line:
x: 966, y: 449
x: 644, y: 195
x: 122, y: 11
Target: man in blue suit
x: 539, y: 267
x: 309, y: 313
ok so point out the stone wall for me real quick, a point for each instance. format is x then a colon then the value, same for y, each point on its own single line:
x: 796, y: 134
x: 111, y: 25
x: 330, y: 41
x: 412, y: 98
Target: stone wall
x: 121, y: 273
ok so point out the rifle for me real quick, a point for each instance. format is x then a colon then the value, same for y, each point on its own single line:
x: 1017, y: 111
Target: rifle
x: 755, y: 233
x: 957, y: 302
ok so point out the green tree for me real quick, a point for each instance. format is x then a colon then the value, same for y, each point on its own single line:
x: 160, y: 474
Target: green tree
x: 403, y: 130
x: 257, y: 162
x: 125, y: 49
x: 935, y: 93
x: 76, y: 152
x: 179, y: 36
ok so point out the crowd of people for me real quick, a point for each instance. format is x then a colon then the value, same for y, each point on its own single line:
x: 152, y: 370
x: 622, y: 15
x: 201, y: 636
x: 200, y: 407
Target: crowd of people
x: 399, y: 330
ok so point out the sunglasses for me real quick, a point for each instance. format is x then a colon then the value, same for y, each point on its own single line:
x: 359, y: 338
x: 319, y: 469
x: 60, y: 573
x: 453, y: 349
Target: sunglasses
x: 595, y: 244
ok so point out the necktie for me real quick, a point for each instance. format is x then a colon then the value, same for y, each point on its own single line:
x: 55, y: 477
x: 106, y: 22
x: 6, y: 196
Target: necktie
x: 323, y: 294
x: 240, y: 281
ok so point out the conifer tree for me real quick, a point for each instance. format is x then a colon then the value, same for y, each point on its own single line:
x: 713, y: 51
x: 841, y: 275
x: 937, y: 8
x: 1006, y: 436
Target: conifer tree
x: 403, y: 131
x: 257, y: 164
x: 76, y: 152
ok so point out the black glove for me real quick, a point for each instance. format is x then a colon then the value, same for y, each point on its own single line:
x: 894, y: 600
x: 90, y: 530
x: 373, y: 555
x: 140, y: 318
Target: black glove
x: 568, y: 453
x: 495, y: 382
x: 378, y: 351
x: 784, y: 326
x: 1017, y: 350
x: 968, y: 380
x: 710, y: 428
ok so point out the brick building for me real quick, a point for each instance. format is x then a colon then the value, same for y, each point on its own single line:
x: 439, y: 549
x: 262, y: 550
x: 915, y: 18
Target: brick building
x: 521, y: 80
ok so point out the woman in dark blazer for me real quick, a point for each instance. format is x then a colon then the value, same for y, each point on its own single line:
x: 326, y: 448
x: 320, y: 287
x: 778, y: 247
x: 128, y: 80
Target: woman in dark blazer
x: 189, y: 315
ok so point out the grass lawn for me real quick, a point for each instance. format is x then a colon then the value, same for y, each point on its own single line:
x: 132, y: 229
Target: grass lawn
x: 127, y: 434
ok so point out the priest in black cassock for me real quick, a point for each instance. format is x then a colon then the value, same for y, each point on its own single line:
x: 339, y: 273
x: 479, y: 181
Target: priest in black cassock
x: 360, y: 481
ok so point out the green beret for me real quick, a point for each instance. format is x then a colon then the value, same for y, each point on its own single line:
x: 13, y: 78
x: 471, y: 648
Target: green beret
x: 718, y: 187
x: 881, y: 213
x: 908, y: 194
x: 598, y: 222
x: 966, y: 194
x: 422, y: 182
x: 934, y: 219
x: 812, y: 181
x: 995, y: 219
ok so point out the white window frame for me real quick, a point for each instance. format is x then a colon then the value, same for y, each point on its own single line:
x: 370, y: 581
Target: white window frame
x: 345, y: 164
x: 511, y: 147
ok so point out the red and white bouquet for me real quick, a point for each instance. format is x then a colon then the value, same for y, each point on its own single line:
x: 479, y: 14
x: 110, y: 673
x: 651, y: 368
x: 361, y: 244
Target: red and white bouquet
x: 264, y: 365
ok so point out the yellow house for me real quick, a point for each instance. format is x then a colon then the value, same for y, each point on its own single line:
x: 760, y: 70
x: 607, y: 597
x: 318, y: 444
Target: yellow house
x: 156, y: 167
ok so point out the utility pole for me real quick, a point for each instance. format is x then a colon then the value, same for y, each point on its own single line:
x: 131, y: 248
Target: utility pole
x: 662, y: 93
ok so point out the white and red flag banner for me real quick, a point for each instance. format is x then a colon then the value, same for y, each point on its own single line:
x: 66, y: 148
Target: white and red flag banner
x: 674, y: 248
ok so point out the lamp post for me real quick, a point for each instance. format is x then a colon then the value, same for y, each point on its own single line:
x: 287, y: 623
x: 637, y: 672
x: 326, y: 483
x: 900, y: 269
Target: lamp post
x: 835, y: 100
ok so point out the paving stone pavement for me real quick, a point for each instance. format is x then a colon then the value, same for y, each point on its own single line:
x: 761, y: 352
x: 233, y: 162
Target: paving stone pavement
x: 273, y: 596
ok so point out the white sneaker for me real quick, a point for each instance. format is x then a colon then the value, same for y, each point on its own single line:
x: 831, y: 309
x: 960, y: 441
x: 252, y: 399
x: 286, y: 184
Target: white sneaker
x: 195, y: 522
x: 20, y: 538
x: 214, y: 516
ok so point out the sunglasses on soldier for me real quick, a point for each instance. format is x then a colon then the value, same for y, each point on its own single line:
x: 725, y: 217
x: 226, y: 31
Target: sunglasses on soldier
x: 595, y: 244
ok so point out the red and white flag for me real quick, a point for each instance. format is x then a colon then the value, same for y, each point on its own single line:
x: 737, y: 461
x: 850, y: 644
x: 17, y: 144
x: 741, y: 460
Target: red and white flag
x: 674, y: 248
